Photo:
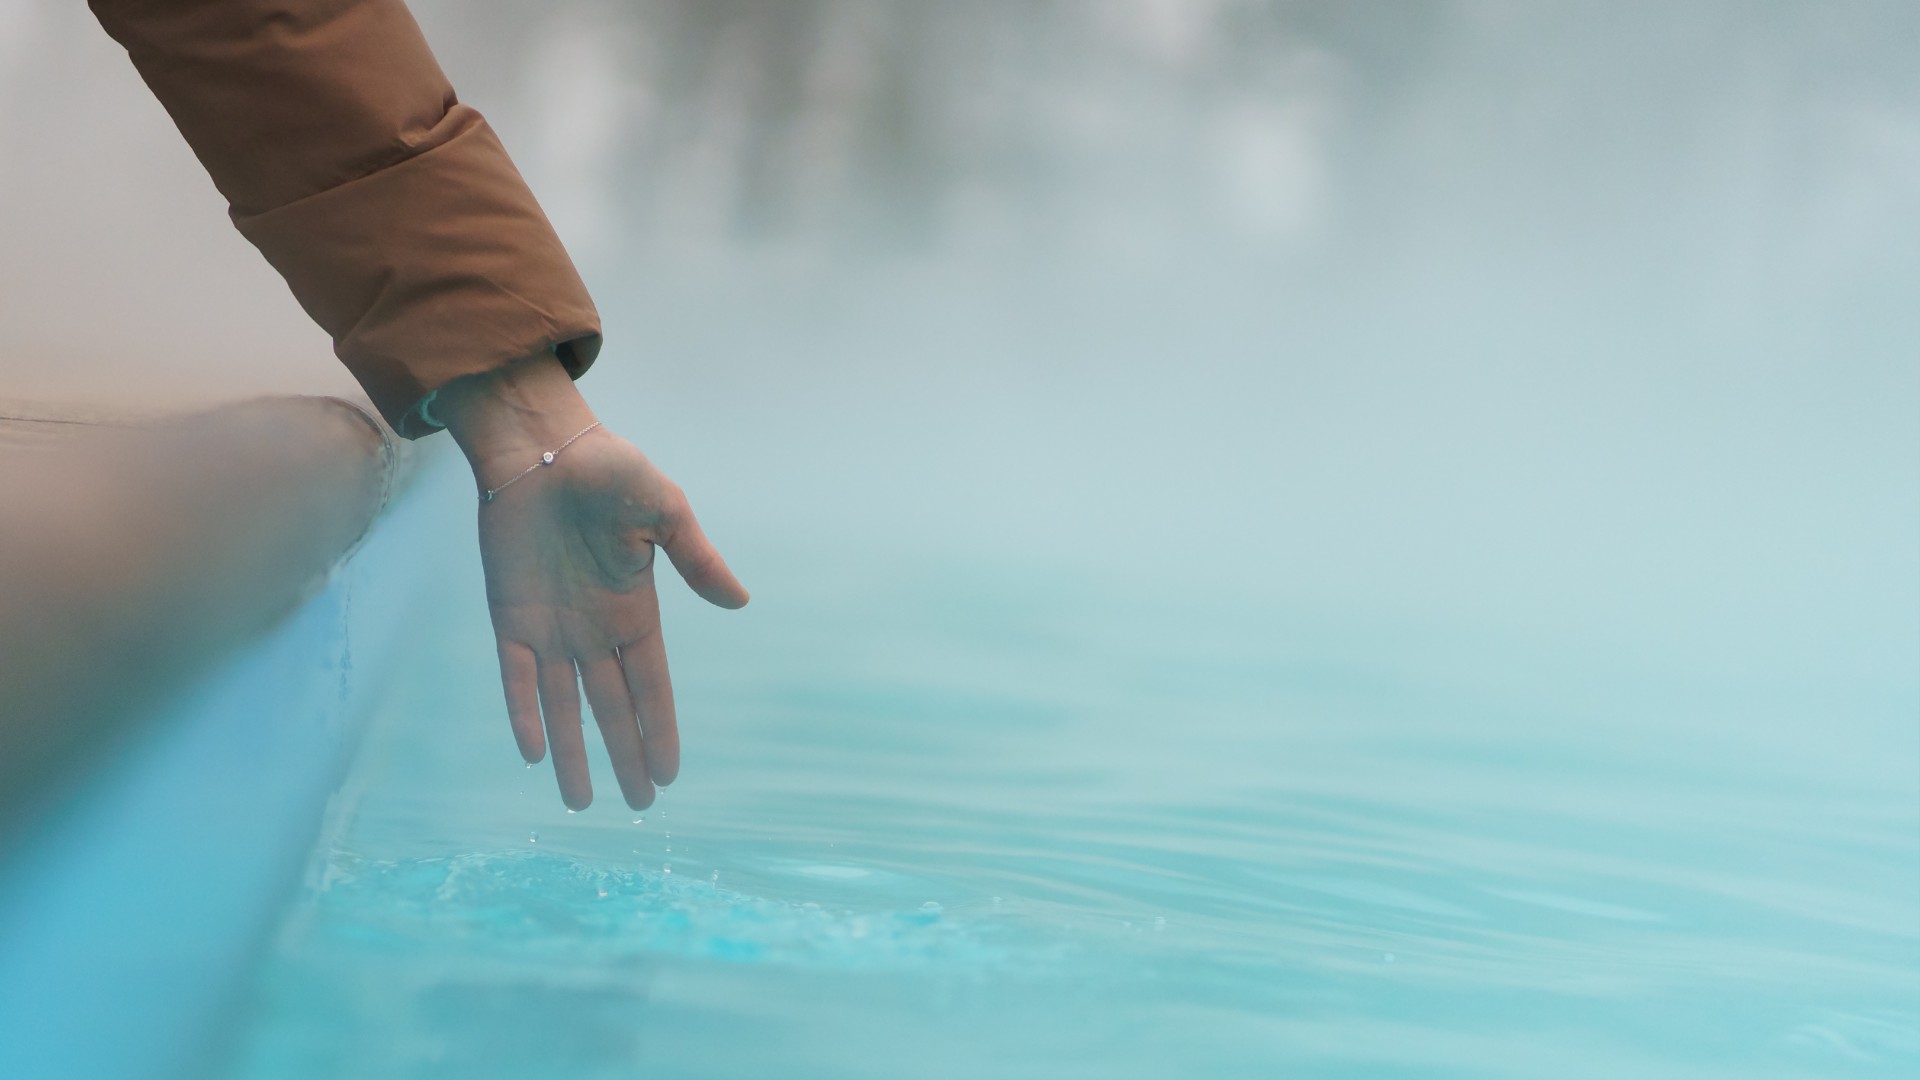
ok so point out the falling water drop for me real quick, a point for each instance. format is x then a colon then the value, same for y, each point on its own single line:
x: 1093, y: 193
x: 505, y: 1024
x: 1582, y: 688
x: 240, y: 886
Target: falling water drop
x: 666, y: 868
x: 533, y: 838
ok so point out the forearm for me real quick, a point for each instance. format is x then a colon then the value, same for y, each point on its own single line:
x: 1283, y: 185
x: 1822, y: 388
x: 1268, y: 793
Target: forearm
x: 506, y: 418
x: 390, y: 208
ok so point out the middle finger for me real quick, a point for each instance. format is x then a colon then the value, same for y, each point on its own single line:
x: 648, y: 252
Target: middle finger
x: 613, y: 711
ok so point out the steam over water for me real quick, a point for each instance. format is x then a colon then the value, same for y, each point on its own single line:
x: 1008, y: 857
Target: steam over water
x: 1287, y: 538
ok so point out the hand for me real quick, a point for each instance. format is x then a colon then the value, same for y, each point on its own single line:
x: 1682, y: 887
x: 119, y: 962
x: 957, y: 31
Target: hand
x: 569, y: 558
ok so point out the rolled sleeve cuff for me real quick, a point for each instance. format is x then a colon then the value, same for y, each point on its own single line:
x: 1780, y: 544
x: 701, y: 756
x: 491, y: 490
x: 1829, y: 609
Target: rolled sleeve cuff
x: 439, y: 266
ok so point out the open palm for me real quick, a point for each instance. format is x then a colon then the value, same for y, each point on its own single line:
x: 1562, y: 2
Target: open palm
x: 569, y: 560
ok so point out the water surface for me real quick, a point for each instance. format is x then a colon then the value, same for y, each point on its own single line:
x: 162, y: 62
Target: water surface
x: 1287, y: 539
x: 940, y: 828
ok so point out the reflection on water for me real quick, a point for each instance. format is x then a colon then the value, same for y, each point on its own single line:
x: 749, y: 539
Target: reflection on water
x: 1305, y: 537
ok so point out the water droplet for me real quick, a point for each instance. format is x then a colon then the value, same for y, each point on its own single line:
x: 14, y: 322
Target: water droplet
x: 571, y: 810
x: 666, y: 868
x: 669, y: 851
x: 996, y: 901
x: 716, y: 877
x: 529, y: 764
x: 641, y: 820
x: 603, y: 894
x: 932, y: 907
x: 533, y: 838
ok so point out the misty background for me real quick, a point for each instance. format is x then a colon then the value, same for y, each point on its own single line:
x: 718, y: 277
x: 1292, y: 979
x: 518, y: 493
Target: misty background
x: 1557, y: 343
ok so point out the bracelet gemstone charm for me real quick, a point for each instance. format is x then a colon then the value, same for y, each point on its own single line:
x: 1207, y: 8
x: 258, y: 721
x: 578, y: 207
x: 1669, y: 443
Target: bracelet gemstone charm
x: 548, y: 458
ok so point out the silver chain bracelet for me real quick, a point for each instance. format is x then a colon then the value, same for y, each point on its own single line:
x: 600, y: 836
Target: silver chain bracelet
x: 546, y: 459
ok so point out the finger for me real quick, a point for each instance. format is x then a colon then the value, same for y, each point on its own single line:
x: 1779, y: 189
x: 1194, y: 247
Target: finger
x: 519, y: 675
x: 701, y: 566
x: 560, y: 701
x: 651, y: 690
x: 613, y: 711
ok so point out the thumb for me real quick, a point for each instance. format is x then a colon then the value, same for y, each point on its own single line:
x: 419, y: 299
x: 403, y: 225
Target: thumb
x: 702, y: 568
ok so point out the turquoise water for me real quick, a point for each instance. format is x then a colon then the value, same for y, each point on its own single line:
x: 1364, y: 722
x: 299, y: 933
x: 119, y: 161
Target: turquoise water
x: 1287, y: 540
x: 932, y: 827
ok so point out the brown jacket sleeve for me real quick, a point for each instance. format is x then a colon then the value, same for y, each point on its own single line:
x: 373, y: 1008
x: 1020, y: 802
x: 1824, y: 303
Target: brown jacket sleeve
x: 390, y: 208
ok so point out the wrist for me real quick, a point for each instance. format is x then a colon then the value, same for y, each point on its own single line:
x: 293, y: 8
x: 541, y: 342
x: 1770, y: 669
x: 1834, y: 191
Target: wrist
x: 512, y: 414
